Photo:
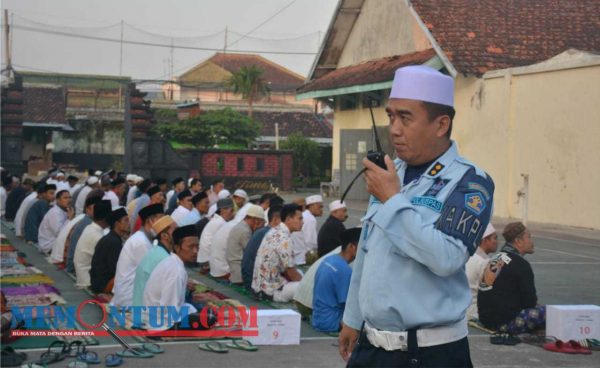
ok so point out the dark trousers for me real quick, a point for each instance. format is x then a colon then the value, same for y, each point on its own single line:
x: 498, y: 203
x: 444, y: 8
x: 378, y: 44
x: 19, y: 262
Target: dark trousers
x: 454, y: 354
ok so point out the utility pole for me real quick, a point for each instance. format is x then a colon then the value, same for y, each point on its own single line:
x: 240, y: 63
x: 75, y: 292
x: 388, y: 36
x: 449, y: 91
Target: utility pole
x: 225, y: 44
x: 171, y: 72
x: 127, y: 127
x: 121, y: 53
x: 7, y: 44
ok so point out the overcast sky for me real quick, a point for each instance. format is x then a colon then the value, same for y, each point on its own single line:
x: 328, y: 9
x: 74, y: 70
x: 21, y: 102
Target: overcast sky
x: 36, y: 46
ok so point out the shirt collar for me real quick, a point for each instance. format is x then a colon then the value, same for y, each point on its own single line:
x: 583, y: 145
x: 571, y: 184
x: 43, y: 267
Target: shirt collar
x: 283, y: 227
x: 509, y: 248
x: 442, y: 162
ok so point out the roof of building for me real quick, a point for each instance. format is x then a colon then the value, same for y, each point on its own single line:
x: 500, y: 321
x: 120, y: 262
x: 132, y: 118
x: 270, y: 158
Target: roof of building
x: 44, y: 105
x: 373, y: 71
x: 479, y: 36
x: 309, y: 124
x: 280, y: 78
x: 92, y: 81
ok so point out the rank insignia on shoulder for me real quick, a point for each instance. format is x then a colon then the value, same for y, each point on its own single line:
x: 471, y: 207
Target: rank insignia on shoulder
x: 435, y: 169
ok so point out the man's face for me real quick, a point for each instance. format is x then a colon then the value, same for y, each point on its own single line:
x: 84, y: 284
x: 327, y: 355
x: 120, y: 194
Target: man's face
x: 179, y: 187
x: 49, y: 195
x: 166, y: 237
x: 188, y: 250
x: 227, y: 213
x: 196, y: 188
x: 239, y: 201
x: 489, y: 244
x: 525, y: 243
x: 119, y: 189
x: 64, y: 201
x: 340, y: 214
x: 186, y: 202
x: 163, y: 187
x: 158, y: 197
x: 152, y: 219
x: 316, y: 209
x: 203, y: 205
x: 72, y: 183
x: 218, y: 187
x: 295, y: 222
x: 411, y: 132
x: 256, y: 223
x: 122, y: 226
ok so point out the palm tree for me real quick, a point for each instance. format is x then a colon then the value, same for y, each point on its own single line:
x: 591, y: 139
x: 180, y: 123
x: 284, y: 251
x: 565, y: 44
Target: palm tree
x: 249, y: 82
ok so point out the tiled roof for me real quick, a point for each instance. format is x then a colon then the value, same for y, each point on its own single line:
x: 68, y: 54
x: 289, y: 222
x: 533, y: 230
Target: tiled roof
x: 373, y: 71
x: 281, y: 78
x: 309, y: 124
x: 478, y: 36
x: 44, y: 105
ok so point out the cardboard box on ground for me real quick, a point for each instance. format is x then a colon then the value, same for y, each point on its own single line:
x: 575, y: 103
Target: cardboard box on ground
x: 277, y: 327
x: 573, y: 322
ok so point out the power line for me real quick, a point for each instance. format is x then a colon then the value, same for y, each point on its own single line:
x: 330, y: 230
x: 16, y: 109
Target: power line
x: 263, y: 23
x: 141, y: 43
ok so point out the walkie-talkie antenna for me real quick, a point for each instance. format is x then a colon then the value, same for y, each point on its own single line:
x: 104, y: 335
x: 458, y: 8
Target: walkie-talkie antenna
x: 377, y: 142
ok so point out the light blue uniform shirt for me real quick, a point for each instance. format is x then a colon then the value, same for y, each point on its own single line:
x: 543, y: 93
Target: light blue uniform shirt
x: 409, y: 269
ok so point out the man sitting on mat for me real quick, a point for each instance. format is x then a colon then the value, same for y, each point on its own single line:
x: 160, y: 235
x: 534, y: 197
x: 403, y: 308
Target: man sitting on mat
x: 507, y: 299
x: 332, y: 282
x: 476, y: 265
x: 168, y: 283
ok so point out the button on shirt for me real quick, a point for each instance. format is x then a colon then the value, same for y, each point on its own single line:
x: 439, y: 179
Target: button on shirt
x: 331, y: 289
x: 273, y: 258
x: 419, y: 241
x: 133, y: 251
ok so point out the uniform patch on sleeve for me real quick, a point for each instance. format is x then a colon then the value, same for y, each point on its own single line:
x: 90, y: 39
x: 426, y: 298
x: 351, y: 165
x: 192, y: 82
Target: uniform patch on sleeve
x: 428, y: 202
x: 475, y: 202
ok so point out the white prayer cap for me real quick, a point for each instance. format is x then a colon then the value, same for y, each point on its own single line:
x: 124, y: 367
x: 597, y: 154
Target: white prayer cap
x: 98, y: 173
x: 423, y: 83
x: 241, y: 193
x: 489, y: 230
x: 60, y: 173
x: 130, y: 177
x: 336, y: 205
x: 256, y: 211
x: 224, y: 193
x: 92, y: 180
x: 314, y: 199
x: 138, y: 179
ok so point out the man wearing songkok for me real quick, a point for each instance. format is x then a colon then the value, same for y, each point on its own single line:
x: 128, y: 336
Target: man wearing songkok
x: 134, y: 249
x: 275, y: 275
x: 156, y: 197
x: 476, y: 265
x: 93, y: 198
x: 36, y: 213
x: 507, y: 298
x: 91, y: 183
x: 86, y: 246
x: 133, y: 208
x: 330, y: 233
x: 185, y: 206
x: 253, y: 245
x: 306, y: 240
x: 332, y: 281
x: 223, y: 215
x: 54, y: 220
x: 73, y: 186
x: 16, y: 197
x: 238, y: 239
x: 200, y: 209
x: 104, y: 261
x: 195, y: 186
x: 168, y: 283
x: 163, y: 228
x: 427, y: 213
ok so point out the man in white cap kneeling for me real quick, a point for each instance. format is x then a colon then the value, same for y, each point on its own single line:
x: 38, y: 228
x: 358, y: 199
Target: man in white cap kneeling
x: 476, y: 265
x: 306, y: 240
x: 330, y: 235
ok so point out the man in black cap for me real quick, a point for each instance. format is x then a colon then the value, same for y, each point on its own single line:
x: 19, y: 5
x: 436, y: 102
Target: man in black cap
x: 168, y: 282
x: 173, y: 194
x: 16, y: 197
x: 156, y: 197
x: 37, y: 212
x: 132, y: 253
x: 137, y: 204
x: 86, y: 246
x: 185, y: 206
x: 104, y: 261
x: 73, y: 186
x: 200, y: 209
x: 332, y: 281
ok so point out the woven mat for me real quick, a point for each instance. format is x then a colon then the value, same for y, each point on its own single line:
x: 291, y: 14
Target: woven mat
x: 27, y: 279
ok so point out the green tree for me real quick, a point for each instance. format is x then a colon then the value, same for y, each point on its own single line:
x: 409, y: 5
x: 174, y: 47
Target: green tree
x: 250, y: 83
x: 211, y: 129
x: 306, y: 154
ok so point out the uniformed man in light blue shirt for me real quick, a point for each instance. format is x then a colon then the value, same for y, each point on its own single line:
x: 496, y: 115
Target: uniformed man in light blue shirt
x: 428, y: 211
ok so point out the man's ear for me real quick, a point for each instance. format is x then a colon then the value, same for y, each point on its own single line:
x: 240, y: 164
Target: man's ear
x: 443, y: 125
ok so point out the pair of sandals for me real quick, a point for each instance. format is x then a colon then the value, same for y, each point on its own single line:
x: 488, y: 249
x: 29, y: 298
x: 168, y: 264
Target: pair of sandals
x: 218, y: 347
x: 567, y: 347
x: 504, y: 339
x: 11, y: 357
x: 147, y: 350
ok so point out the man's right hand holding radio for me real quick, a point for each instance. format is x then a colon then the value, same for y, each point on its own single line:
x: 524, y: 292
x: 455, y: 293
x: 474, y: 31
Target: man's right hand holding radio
x: 383, y: 184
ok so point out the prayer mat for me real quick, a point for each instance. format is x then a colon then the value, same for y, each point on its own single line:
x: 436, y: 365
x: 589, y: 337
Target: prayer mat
x: 18, y: 269
x: 36, y: 299
x: 27, y: 279
x: 7, y: 248
x: 29, y: 290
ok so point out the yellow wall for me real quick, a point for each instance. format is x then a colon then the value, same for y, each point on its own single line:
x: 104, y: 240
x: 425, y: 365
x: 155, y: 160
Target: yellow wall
x: 368, y: 40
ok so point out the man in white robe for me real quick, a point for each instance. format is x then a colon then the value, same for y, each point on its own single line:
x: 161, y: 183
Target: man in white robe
x: 306, y: 240
x: 185, y: 206
x: 24, y: 208
x: 224, y: 213
x: 86, y: 245
x: 58, y: 249
x: 132, y: 253
x: 91, y: 183
x: 54, y: 220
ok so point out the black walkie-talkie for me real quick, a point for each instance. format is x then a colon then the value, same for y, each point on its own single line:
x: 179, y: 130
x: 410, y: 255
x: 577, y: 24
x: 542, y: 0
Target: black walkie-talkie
x: 377, y: 157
